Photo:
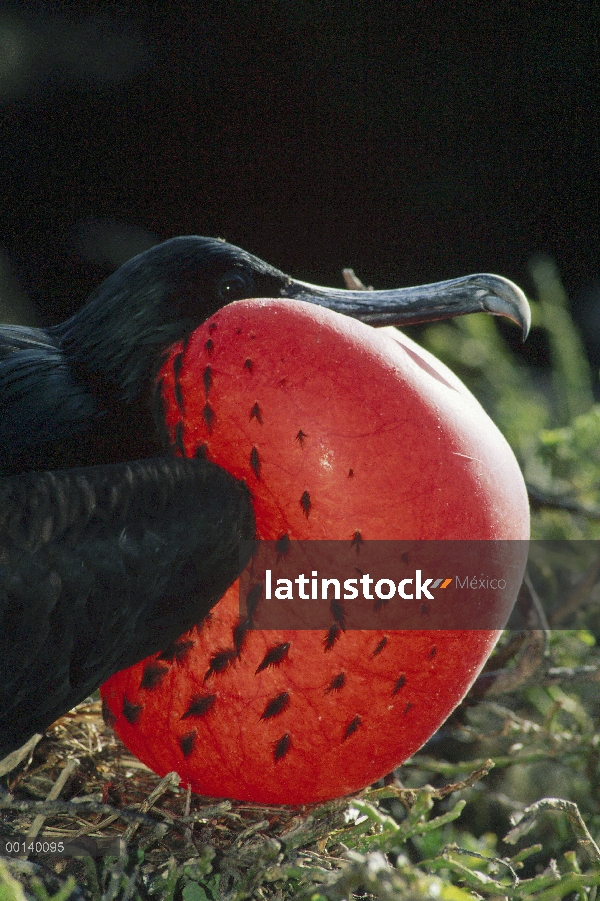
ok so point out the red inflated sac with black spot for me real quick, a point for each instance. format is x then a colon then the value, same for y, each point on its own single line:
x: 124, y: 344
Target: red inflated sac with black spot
x: 338, y: 429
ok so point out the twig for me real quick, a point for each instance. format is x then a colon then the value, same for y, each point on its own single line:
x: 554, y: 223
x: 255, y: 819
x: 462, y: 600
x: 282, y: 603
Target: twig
x: 530, y: 650
x: 95, y: 827
x: 539, y: 499
x: 504, y: 681
x: 559, y: 674
x: 187, y: 832
x: 455, y: 849
x: 171, y: 780
x: 352, y: 281
x: 556, y: 805
x: 36, y: 826
x: 209, y: 813
x: 12, y: 760
x: 51, y: 808
x: 251, y: 830
x: 531, y: 607
x: 409, y: 796
x: 467, y: 782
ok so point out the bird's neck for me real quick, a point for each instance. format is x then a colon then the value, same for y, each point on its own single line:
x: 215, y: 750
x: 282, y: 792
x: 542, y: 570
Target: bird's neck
x: 116, y: 341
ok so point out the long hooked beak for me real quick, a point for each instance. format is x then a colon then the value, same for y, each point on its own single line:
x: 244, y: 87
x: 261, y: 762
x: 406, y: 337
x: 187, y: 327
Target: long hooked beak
x: 408, y: 306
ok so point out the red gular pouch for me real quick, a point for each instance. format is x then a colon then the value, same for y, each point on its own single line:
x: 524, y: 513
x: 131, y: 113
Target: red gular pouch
x: 344, y: 434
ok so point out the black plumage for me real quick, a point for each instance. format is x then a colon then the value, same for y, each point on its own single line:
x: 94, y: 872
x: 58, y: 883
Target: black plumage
x: 100, y: 567
x: 104, y: 560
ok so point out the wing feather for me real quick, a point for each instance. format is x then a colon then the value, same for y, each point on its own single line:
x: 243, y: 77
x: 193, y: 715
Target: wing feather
x: 41, y: 403
x: 100, y: 567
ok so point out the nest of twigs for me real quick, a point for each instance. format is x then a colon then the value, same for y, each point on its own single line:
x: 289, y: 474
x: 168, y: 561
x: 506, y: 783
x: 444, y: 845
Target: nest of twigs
x: 79, y: 781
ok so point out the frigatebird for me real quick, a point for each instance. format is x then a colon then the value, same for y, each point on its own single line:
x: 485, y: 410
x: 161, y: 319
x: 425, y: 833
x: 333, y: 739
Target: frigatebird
x: 110, y: 546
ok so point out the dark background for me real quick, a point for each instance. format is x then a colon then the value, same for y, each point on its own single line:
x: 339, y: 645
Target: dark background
x: 413, y: 142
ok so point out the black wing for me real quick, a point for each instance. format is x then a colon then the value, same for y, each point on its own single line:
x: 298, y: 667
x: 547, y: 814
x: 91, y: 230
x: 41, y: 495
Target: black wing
x: 41, y: 403
x: 101, y: 567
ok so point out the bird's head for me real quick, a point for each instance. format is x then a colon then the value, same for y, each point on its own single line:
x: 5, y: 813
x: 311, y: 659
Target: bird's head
x: 165, y: 293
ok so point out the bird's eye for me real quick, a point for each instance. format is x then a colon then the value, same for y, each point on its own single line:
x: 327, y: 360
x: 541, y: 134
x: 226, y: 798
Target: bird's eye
x: 234, y: 285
